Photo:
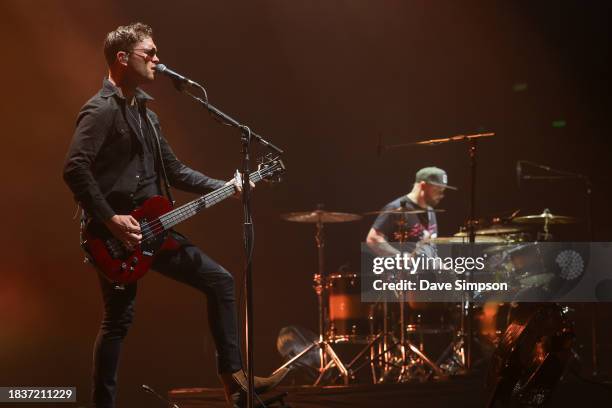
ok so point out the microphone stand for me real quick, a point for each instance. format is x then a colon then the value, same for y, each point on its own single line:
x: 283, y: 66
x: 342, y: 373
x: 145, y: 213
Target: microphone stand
x: 246, y: 136
x: 588, y: 189
x: 466, y: 309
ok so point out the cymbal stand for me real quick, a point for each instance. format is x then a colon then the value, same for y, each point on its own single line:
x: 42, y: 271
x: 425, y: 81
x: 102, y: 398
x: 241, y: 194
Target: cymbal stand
x: 413, y: 358
x: 327, y: 356
x: 461, y: 348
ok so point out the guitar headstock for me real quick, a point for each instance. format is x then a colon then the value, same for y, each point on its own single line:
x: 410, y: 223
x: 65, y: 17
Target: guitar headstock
x: 271, y: 168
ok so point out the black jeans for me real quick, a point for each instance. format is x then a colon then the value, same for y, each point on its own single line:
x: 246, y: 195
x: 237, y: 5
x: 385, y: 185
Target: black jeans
x: 191, y: 266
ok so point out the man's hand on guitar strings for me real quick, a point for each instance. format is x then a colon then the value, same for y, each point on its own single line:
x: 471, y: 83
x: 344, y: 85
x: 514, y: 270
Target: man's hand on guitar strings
x: 126, y: 229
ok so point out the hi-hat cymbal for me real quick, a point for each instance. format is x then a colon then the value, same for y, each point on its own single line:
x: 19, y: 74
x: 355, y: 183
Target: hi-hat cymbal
x: 493, y: 230
x: 480, y: 239
x: 403, y: 211
x: 545, y: 218
x: 320, y: 216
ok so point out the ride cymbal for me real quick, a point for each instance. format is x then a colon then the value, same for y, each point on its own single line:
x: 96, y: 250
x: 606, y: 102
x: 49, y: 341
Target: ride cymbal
x: 545, y: 218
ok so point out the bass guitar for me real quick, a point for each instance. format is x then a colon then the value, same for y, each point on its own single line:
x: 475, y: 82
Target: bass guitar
x: 156, y: 217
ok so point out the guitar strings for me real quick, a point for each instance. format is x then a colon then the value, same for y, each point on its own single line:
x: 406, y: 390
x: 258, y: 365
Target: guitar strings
x: 211, y: 198
x: 213, y: 195
x: 180, y: 212
x: 175, y: 213
x: 156, y: 226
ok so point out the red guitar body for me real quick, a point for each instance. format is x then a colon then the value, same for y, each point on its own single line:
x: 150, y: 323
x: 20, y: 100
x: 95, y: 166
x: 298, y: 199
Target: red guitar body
x: 110, y: 256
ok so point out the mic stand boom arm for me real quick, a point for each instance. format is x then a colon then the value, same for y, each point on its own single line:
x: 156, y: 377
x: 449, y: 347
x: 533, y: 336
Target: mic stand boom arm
x: 229, y: 121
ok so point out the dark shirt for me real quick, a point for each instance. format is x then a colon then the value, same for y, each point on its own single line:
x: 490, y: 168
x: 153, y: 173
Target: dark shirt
x: 416, y: 224
x: 148, y: 180
x: 108, y: 156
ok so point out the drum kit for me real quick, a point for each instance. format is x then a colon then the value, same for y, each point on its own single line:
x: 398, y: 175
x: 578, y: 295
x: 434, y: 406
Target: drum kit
x: 393, y: 336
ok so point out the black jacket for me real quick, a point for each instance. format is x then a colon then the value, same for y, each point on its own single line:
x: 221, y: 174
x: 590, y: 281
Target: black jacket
x: 104, y: 143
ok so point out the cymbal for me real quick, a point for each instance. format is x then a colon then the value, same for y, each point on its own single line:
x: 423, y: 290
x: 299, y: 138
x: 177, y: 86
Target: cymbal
x: 320, y: 216
x: 401, y: 211
x: 493, y: 230
x: 480, y: 239
x: 545, y: 218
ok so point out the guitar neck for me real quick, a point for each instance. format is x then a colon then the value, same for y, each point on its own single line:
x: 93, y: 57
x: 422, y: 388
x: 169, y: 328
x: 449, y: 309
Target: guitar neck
x: 186, y: 211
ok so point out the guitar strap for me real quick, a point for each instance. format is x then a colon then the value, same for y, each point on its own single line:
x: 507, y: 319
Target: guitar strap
x: 160, y: 157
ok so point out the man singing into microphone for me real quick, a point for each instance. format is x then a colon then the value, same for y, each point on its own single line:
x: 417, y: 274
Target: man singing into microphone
x: 117, y: 159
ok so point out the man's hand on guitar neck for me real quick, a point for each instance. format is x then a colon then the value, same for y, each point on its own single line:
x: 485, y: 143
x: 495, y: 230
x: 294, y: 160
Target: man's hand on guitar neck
x: 237, y: 182
x: 126, y: 229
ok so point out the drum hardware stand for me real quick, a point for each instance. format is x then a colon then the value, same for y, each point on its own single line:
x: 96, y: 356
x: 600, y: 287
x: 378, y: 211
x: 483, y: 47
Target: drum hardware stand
x: 385, y: 358
x: 411, y: 355
x: 368, y: 360
x: 385, y: 343
x: 380, y: 356
x: 327, y: 356
x: 325, y: 352
x: 380, y: 351
x: 325, y: 349
x: 452, y: 360
x: 467, y: 313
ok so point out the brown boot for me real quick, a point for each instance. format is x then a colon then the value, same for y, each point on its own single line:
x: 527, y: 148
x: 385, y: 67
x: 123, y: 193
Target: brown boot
x: 236, y: 384
x: 262, y: 384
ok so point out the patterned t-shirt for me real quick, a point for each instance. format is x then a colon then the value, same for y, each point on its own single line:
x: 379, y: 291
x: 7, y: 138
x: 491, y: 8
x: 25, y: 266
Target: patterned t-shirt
x: 415, y: 224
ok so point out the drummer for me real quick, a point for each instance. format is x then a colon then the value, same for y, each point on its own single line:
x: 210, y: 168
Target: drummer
x: 427, y: 192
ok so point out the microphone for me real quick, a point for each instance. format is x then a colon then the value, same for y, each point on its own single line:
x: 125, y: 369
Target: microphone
x: 519, y: 172
x: 179, y: 80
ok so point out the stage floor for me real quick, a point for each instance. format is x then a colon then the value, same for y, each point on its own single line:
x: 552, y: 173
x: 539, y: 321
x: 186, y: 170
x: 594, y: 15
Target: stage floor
x: 457, y: 392
x: 431, y: 394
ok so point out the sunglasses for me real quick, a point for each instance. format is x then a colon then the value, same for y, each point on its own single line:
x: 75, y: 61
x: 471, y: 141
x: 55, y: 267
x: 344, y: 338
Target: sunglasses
x: 150, y: 52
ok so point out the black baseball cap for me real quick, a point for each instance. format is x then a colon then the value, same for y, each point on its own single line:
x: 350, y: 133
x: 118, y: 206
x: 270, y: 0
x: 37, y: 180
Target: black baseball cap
x: 434, y: 176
